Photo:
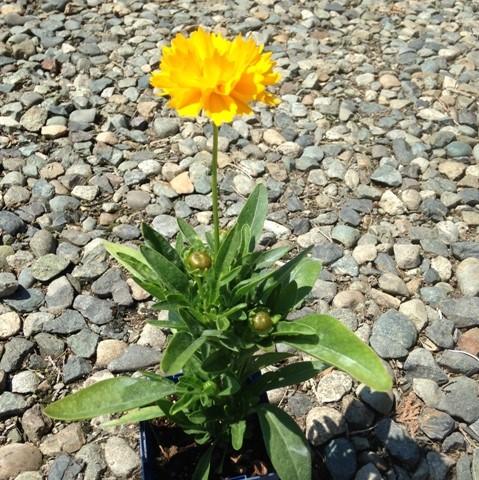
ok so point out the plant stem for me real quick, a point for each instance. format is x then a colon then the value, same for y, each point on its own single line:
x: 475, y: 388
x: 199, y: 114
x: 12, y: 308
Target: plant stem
x: 214, y: 188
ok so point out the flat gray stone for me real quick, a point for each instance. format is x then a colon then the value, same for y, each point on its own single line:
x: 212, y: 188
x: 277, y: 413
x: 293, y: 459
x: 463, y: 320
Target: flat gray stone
x: 134, y: 358
x: 393, y: 334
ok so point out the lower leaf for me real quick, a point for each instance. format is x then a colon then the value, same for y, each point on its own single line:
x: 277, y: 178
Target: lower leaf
x: 285, y: 443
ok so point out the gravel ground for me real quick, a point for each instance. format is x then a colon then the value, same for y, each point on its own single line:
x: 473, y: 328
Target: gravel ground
x: 371, y: 157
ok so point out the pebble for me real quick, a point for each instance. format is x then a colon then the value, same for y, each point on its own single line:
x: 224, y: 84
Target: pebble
x: 376, y: 173
x: 333, y: 387
x: 49, y: 266
x: 10, y: 324
x: 165, y: 127
x: 166, y: 225
x: 16, y: 458
x: 135, y: 357
x: 421, y: 364
x: 59, y: 295
x: 96, y: 310
x: 460, y: 399
x: 435, y: 424
x: 393, y: 335
x: 11, y: 404
x: 8, y: 284
x: 120, y: 457
x: 467, y: 274
x: 397, y: 442
x: 461, y: 311
x: 407, y: 256
x: 340, y: 459
x: 323, y: 424
x: 381, y: 402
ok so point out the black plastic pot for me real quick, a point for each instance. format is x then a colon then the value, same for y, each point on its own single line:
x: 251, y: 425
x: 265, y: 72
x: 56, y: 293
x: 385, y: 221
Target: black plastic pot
x: 148, y: 450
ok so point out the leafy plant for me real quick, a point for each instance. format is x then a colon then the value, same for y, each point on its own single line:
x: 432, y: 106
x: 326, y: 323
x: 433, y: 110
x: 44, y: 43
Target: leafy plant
x: 228, y: 301
x: 228, y: 306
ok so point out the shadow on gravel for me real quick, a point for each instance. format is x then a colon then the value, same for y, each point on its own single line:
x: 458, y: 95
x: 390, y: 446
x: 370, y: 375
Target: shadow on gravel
x: 381, y: 448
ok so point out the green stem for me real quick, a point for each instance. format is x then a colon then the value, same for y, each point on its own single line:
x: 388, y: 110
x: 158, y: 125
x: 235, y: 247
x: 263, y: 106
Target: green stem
x: 214, y: 188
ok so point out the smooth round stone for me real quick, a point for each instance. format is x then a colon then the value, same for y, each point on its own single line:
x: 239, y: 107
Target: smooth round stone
x: 42, y: 243
x: 25, y: 382
x: 120, y: 457
x: 137, y: 199
x: 324, y: 423
x: 17, y: 458
x: 166, y: 225
x: 467, y: 274
x: 10, y: 324
x: 11, y: 223
x: 165, y: 127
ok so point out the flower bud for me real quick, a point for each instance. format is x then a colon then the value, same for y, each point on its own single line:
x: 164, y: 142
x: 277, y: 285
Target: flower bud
x: 261, y: 321
x: 198, y: 260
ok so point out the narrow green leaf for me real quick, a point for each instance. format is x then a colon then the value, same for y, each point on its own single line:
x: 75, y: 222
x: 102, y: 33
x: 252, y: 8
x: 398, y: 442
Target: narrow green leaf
x: 154, y: 289
x: 180, y: 349
x: 131, y: 259
x: 269, y: 257
x: 237, y: 434
x: 109, y: 396
x: 137, y: 415
x: 285, y: 443
x: 340, y: 347
x: 227, y: 252
x: 257, y: 362
x: 188, y: 232
x: 202, y: 470
x: 169, y: 273
x: 158, y: 242
x: 284, y: 376
x: 254, y: 214
x: 288, y: 328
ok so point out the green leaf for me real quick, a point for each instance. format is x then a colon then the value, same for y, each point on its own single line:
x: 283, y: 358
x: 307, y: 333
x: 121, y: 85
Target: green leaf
x: 180, y: 349
x: 290, y: 328
x: 237, y: 434
x: 254, y: 214
x: 227, y: 252
x: 216, y: 361
x: 131, y: 259
x: 285, y: 443
x: 295, y: 286
x: 269, y: 257
x: 109, y: 396
x: 340, y: 347
x: 257, y: 362
x: 188, y: 232
x: 284, y: 376
x: 137, y: 415
x: 282, y: 275
x: 157, y: 291
x: 158, y: 242
x: 170, y: 274
x: 202, y: 470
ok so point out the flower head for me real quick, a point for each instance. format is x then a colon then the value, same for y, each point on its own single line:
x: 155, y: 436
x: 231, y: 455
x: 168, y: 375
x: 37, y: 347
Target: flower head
x: 206, y: 72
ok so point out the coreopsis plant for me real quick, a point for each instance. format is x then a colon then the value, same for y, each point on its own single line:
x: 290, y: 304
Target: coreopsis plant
x: 228, y: 301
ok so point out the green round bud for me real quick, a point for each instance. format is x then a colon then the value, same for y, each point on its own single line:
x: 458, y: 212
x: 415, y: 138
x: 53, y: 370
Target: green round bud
x: 210, y: 388
x: 198, y: 260
x: 261, y: 321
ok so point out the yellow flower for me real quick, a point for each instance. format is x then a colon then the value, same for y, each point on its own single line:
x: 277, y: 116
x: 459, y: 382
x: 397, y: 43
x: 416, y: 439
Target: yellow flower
x: 206, y: 72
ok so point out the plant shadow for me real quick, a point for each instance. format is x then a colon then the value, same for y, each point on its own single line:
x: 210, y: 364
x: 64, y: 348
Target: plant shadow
x: 362, y: 443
